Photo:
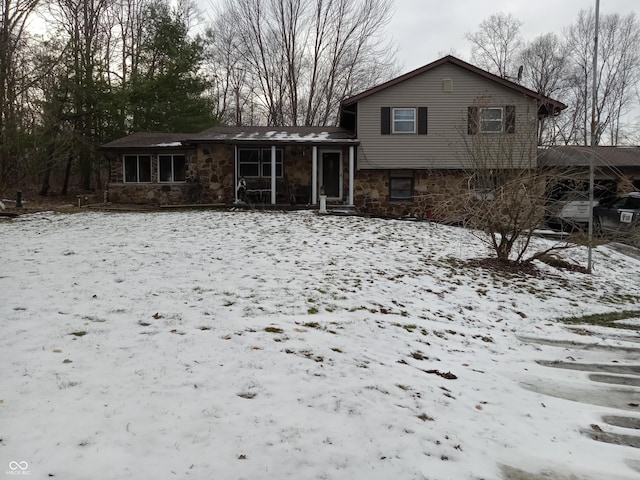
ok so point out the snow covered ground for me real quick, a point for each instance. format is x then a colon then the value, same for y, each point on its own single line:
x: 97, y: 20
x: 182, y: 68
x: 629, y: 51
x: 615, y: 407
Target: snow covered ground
x: 255, y: 345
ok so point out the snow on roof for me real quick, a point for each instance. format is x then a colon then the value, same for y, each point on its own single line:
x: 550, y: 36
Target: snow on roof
x: 276, y: 135
x: 281, y: 135
x: 286, y: 136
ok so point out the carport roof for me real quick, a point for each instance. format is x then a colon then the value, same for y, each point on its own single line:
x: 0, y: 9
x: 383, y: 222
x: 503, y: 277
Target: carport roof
x: 580, y: 156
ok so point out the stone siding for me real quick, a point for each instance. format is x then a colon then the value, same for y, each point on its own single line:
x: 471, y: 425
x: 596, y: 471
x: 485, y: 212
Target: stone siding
x: 213, y: 174
x: 430, y: 190
x: 210, y: 178
x: 154, y: 193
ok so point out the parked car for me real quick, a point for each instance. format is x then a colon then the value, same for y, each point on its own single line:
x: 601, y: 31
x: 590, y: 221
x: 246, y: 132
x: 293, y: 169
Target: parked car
x: 619, y: 215
x: 570, y: 212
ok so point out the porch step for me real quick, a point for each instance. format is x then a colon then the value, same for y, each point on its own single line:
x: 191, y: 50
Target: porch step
x: 341, y: 209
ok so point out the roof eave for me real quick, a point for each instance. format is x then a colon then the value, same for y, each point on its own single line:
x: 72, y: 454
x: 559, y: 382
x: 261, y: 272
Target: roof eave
x: 462, y: 64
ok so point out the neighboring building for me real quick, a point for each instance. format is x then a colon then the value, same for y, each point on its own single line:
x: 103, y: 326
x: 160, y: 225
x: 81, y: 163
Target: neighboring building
x: 403, y: 146
x: 616, y: 169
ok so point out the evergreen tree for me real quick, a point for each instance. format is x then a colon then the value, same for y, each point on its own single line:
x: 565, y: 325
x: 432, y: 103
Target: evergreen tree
x: 166, y: 92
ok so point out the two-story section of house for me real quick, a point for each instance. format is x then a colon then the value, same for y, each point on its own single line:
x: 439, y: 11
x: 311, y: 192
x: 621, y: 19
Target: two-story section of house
x: 439, y: 132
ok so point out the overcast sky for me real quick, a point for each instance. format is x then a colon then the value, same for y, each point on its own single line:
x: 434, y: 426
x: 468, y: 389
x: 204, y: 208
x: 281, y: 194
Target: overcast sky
x: 423, y: 29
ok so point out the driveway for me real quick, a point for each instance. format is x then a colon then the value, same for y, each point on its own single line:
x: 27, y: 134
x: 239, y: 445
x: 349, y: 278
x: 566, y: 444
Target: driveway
x: 604, y: 371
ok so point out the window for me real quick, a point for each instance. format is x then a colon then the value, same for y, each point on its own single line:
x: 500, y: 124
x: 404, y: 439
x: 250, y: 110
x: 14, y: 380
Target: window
x: 256, y: 162
x: 404, y: 120
x: 484, y: 184
x: 631, y: 203
x: 491, y: 119
x: 137, y: 168
x: 401, y: 186
x: 171, y: 168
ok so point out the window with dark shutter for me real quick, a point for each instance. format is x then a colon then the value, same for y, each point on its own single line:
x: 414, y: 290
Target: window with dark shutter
x: 510, y: 119
x: 472, y: 120
x: 422, y: 120
x: 385, y: 121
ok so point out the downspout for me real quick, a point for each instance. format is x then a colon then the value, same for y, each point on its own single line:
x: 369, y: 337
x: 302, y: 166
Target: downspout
x: 235, y: 174
x: 273, y: 174
x: 351, y: 173
x: 314, y: 176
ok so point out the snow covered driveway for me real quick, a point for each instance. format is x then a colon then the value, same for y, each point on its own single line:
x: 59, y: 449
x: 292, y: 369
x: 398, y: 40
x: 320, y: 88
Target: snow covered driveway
x: 244, y: 345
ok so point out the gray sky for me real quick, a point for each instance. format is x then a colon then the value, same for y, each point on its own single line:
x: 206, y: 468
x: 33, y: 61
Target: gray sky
x: 422, y: 29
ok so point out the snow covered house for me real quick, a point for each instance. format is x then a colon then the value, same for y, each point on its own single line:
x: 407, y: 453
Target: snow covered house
x: 401, y: 147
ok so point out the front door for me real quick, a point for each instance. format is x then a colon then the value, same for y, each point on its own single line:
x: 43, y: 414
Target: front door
x: 331, y: 174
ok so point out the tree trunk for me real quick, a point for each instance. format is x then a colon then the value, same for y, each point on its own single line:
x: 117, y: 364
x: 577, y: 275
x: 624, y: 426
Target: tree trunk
x: 67, y: 174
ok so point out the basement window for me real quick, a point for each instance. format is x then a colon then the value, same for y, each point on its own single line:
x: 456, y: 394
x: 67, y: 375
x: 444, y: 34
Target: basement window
x: 401, y: 186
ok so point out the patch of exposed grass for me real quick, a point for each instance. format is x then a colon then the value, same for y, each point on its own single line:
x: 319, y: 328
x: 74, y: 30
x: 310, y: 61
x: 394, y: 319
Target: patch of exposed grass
x: 620, y: 299
x: 408, y: 327
x: 425, y: 418
x: 607, y: 319
x: 418, y: 355
x: 313, y: 325
x: 273, y: 330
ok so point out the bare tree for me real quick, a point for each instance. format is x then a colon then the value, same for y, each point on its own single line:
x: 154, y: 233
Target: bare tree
x: 545, y: 71
x: 502, y: 194
x: 617, y: 76
x: 298, y: 58
x: 83, y: 24
x: 496, y: 44
x: 14, y: 15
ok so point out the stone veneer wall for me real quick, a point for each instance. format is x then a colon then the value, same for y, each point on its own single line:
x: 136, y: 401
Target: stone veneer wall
x: 210, y: 178
x: 213, y: 174
x: 297, y: 171
x: 431, y: 188
x: 152, y: 193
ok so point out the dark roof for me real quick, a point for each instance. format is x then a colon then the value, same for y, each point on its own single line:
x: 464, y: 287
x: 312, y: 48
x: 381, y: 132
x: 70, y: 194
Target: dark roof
x: 276, y: 135
x: 147, y: 140
x: 263, y: 135
x: 578, y: 156
x: 557, y: 106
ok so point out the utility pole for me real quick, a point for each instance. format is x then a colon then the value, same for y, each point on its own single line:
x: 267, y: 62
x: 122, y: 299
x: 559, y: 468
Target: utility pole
x: 594, y: 134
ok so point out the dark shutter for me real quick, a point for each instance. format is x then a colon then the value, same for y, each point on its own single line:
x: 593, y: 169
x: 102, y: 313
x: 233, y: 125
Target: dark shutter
x: 385, y: 121
x: 472, y: 120
x: 422, y: 120
x: 510, y: 119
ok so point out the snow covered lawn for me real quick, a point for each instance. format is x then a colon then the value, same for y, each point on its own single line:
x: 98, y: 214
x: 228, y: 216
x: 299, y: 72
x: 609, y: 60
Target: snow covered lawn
x: 255, y: 345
